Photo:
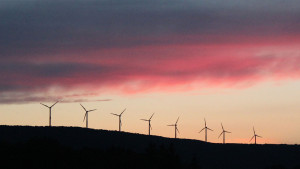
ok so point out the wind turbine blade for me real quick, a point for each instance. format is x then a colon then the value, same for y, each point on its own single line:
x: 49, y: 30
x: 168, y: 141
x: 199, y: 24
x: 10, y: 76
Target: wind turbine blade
x: 222, y: 127
x: 44, y: 105
x: 205, y: 122
x: 221, y: 134
x: 92, y: 110
x: 151, y: 116
x: 85, y: 116
x: 253, y: 130
x: 258, y: 136
x: 227, y: 132
x: 144, y: 120
x: 54, y: 104
x: 177, y: 130
x: 122, y: 111
x: 177, y: 120
x: 171, y: 125
x: 252, y: 138
x: 114, y: 114
x: 209, y: 129
x: 82, y: 107
x: 201, y: 130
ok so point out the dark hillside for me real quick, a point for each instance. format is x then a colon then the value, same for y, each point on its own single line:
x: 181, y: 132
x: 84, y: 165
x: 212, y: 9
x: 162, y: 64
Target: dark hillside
x: 74, y: 147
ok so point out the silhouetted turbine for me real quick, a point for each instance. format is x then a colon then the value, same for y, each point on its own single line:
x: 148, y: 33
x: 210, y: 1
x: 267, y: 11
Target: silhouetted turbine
x: 150, y: 128
x: 176, y: 129
x: 205, y: 128
x: 223, y: 132
x: 50, y: 107
x: 86, y: 115
x: 120, y: 121
x: 255, y: 135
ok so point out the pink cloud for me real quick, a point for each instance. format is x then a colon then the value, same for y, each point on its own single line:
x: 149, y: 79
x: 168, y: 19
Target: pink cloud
x: 158, y: 67
x: 106, y: 47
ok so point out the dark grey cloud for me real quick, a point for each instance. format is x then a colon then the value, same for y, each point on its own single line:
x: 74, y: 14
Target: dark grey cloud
x: 50, y: 26
x: 34, y: 76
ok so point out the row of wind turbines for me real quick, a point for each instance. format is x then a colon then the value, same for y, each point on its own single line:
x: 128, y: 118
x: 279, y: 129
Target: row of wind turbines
x: 205, y: 128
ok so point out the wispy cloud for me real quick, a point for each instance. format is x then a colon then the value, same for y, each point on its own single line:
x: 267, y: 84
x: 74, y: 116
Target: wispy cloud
x: 24, y: 97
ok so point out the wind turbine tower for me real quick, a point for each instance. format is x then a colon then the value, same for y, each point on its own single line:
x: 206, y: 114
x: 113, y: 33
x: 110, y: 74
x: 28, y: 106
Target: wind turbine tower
x: 149, y: 121
x: 205, y: 128
x: 176, y: 129
x: 50, y: 107
x: 86, y: 116
x: 120, y: 120
x: 223, y: 132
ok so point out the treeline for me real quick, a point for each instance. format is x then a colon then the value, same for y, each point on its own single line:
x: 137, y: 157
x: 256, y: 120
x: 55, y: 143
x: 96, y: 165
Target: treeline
x: 69, y: 147
x: 49, y: 154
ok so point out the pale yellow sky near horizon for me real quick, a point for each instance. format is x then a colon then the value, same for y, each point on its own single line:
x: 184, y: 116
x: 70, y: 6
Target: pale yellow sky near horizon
x: 272, y: 108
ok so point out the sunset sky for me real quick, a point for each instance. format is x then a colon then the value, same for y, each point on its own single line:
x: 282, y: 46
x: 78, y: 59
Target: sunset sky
x: 234, y: 61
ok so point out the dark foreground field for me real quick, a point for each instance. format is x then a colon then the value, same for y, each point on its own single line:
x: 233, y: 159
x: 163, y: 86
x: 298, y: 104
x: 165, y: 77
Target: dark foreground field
x: 72, y: 147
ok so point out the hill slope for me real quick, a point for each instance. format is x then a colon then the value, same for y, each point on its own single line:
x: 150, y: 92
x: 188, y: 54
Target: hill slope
x: 74, y: 147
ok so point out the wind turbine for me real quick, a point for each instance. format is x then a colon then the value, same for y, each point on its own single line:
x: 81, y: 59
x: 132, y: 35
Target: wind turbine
x: 205, y: 128
x: 175, y: 125
x: 255, y: 135
x: 86, y: 115
x: 50, y: 107
x: 223, y: 132
x: 120, y: 121
x: 149, y: 120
